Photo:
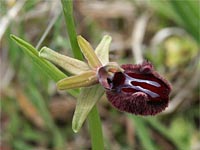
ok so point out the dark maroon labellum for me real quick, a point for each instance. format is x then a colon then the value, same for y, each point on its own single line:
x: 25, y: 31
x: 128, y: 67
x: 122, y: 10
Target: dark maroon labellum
x: 138, y: 90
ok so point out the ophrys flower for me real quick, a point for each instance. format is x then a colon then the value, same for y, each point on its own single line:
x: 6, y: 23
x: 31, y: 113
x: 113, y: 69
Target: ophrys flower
x: 136, y: 89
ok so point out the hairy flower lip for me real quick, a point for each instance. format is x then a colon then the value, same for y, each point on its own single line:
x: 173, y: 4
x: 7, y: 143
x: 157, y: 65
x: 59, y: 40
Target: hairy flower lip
x: 145, y: 93
x: 138, y: 104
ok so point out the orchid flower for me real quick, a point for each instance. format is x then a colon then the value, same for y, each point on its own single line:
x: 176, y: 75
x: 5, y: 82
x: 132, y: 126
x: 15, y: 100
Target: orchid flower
x: 132, y: 88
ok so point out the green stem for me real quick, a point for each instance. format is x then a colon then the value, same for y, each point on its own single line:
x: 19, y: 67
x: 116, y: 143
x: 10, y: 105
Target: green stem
x: 93, y: 118
x: 95, y: 129
x: 68, y: 12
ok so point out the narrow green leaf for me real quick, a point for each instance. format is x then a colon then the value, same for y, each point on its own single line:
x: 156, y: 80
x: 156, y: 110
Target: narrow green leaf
x: 183, y: 13
x: 51, y: 71
x: 33, y: 53
x: 25, y: 45
x: 188, y: 16
x: 165, y: 9
x: 164, y: 131
x: 85, y: 79
x: 89, y: 53
x: 102, y: 50
x: 142, y: 132
x: 86, y: 101
x: 58, y: 141
x: 45, y: 66
x: 71, y: 65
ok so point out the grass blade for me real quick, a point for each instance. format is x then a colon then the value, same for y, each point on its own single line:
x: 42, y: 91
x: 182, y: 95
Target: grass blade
x: 142, y: 132
x: 164, y: 131
x: 58, y: 141
x: 188, y: 15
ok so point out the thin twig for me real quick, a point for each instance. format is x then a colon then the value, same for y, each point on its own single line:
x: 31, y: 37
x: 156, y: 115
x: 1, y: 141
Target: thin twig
x: 12, y: 13
x: 137, y: 37
x: 50, y: 25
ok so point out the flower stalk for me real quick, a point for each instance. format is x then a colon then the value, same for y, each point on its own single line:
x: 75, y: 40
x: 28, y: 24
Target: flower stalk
x: 94, y: 118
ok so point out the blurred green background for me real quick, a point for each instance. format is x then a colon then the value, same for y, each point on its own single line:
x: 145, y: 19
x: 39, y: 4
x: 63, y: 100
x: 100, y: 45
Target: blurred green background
x: 34, y: 115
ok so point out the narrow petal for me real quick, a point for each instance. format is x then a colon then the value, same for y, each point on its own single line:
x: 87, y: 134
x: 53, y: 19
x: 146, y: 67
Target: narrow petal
x: 86, y: 101
x: 89, y: 53
x: 71, y: 65
x: 102, y: 50
x: 82, y: 80
x: 106, y: 73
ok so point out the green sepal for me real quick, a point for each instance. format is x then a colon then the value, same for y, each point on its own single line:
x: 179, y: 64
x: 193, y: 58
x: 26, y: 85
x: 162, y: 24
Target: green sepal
x: 88, y: 52
x: 85, y: 102
x: 102, y: 50
x: 85, y: 79
x: 71, y: 65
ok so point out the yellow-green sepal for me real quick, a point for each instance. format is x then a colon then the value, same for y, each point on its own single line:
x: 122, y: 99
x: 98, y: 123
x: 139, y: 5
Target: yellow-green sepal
x: 102, y: 50
x: 71, y: 65
x: 85, y: 102
x: 88, y: 52
x: 85, y: 79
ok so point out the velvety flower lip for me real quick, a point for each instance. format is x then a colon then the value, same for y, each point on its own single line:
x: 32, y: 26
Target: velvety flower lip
x: 139, y: 89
